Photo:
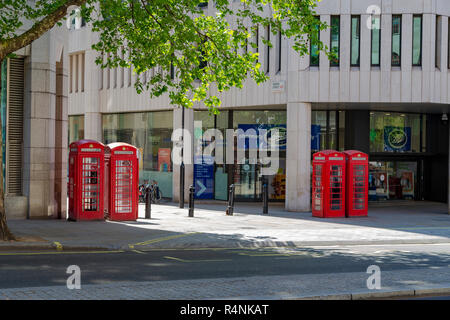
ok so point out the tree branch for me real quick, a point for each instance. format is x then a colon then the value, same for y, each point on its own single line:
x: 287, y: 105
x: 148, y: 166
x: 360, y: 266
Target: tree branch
x: 10, y: 45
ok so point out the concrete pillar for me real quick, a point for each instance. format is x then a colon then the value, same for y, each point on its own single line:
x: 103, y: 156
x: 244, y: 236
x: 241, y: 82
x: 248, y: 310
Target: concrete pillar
x: 189, y: 167
x: 61, y: 140
x: 298, y: 157
x: 39, y: 131
x: 92, y: 115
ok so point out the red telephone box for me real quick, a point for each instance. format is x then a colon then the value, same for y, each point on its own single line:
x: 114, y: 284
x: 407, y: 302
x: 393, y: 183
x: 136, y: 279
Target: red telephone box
x: 86, y: 160
x: 122, y: 168
x: 328, y: 184
x: 357, y: 183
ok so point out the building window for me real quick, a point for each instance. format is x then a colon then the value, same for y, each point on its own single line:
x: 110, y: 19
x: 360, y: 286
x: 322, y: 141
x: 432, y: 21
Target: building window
x: 417, y: 40
x: 437, y: 49
x: 75, y: 21
x: 76, y: 128
x: 375, y: 41
x: 327, y: 130
x: 279, y: 53
x: 335, y: 40
x: 314, y: 46
x: 256, y: 45
x: 448, y: 54
x: 355, y: 41
x: 76, y: 72
x: 396, y: 40
x: 267, y: 55
x: 397, y: 132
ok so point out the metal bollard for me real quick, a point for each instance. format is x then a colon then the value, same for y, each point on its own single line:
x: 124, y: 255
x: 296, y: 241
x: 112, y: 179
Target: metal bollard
x: 148, y: 203
x: 265, y: 196
x: 181, y: 201
x: 230, y: 208
x: 191, y: 200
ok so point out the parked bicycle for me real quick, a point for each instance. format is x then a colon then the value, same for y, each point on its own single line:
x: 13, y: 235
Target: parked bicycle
x: 154, y: 190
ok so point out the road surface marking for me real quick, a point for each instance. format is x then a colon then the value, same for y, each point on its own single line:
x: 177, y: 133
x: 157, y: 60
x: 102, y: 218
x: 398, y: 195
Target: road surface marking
x: 56, y: 252
x: 131, y: 246
x: 191, y: 261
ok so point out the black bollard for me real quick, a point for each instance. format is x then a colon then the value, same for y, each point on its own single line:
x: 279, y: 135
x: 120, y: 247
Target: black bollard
x: 148, y: 203
x: 230, y: 208
x: 181, y: 202
x: 191, y: 200
x: 265, y: 196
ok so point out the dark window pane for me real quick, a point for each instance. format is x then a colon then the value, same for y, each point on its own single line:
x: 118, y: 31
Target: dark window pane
x: 376, y: 41
x: 355, y: 37
x: 335, y: 39
x: 396, y: 40
x: 314, y: 47
x: 417, y: 40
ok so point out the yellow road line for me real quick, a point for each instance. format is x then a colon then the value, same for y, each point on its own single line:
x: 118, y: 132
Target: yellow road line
x: 131, y: 246
x: 177, y: 259
x: 55, y: 252
x: 191, y: 261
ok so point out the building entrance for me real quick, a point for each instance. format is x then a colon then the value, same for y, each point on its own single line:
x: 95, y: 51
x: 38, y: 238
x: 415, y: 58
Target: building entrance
x: 393, y: 180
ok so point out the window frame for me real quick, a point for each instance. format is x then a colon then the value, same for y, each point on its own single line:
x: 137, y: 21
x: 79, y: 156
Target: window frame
x: 311, y: 46
x: 358, y: 17
x: 379, y: 45
x: 400, y: 41
x: 332, y: 63
x: 421, y: 40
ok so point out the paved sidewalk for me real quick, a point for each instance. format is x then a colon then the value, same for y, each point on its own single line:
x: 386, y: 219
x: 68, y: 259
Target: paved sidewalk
x: 336, y: 286
x: 170, y: 227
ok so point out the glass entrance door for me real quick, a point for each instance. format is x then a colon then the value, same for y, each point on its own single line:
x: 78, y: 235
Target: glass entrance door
x: 247, y: 181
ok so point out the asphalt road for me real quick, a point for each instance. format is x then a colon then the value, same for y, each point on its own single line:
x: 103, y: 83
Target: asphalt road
x: 18, y: 270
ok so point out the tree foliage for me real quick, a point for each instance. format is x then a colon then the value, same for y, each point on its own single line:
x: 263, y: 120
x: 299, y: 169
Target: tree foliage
x: 192, y: 51
x: 194, y: 55
x: 189, y: 50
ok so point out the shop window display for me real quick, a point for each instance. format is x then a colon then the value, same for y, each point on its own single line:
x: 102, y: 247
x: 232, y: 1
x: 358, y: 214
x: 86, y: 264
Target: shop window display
x: 151, y: 133
x: 397, y: 132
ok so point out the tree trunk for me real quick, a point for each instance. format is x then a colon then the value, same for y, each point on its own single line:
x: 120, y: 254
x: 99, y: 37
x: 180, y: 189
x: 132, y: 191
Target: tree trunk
x: 5, y: 233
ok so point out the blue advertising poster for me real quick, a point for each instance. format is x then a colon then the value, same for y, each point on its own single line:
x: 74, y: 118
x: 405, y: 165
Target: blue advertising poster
x: 397, y: 139
x: 315, y: 137
x: 258, y: 136
x: 203, y: 177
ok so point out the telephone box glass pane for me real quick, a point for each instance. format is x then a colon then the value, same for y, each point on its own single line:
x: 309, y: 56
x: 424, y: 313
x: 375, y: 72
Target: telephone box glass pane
x: 317, y: 187
x: 90, y: 184
x: 124, y: 186
x: 336, y: 187
x: 359, y: 187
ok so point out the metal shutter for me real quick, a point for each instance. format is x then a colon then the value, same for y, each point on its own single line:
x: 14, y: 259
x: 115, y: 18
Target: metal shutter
x: 15, y: 126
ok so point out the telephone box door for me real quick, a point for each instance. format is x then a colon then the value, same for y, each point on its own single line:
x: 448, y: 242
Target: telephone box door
x: 123, y: 181
x: 85, y: 180
x: 317, y: 181
x: 357, y: 183
x: 122, y: 170
x: 336, y: 190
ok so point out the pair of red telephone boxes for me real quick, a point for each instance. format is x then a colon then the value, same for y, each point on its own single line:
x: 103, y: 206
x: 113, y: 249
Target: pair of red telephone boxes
x: 340, y: 184
x: 103, y: 181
